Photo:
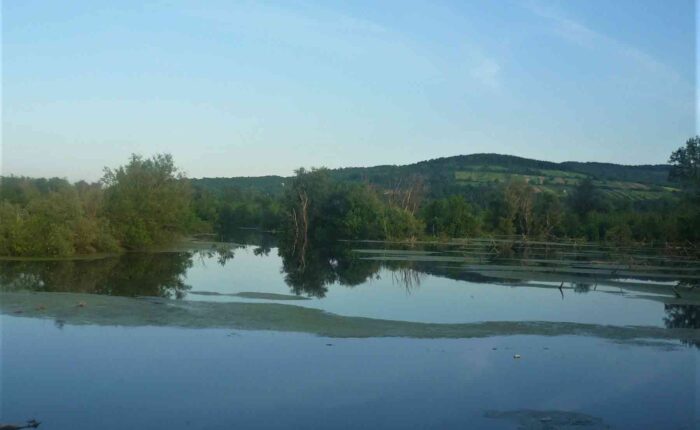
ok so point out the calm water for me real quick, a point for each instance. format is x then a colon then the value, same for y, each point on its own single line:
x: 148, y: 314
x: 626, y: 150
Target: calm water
x: 364, y: 335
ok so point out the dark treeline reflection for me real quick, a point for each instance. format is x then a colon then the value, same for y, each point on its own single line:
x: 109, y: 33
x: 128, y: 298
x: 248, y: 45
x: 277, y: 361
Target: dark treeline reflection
x: 164, y: 274
x: 263, y: 241
x: 156, y: 274
x: 683, y: 316
x: 309, y: 272
x: 133, y: 274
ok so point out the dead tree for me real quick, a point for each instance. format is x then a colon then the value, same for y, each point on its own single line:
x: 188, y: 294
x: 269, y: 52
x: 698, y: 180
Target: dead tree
x: 408, y: 194
x: 300, y: 217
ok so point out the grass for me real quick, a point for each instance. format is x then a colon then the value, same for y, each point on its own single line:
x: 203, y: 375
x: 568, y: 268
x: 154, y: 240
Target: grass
x: 560, y: 182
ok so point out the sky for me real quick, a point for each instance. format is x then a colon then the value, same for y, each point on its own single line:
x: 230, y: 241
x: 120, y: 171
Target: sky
x: 253, y: 88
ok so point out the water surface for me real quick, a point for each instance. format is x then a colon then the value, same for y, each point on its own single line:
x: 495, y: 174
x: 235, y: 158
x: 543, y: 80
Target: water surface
x: 353, y: 336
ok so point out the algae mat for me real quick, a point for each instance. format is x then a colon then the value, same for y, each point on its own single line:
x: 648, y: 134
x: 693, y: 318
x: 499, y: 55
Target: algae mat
x: 87, y: 309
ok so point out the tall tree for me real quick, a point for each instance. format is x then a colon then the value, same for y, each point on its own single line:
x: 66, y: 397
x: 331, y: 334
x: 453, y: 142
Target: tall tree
x: 147, y: 201
x: 451, y: 216
x: 304, y: 198
x: 520, y: 197
x: 685, y: 168
x: 585, y: 198
x: 548, y: 214
x: 685, y: 163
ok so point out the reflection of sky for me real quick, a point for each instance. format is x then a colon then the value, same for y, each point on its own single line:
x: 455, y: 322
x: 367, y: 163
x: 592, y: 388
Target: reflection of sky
x: 88, y: 377
x: 434, y: 300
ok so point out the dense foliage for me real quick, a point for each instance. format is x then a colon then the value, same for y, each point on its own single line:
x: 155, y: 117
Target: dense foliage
x: 149, y: 202
x: 321, y: 209
x: 443, y: 175
x: 686, y: 165
x: 142, y: 204
x: 52, y: 218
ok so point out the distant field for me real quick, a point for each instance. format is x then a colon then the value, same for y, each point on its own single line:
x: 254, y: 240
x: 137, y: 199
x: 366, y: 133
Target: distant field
x: 561, y: 182
x: 482, y: 170
x: 480, y: 176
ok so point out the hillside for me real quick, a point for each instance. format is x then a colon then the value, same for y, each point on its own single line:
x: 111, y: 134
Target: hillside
x: 470, y: 173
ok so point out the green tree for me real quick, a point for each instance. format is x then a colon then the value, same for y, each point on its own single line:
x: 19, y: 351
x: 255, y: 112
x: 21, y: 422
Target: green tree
x: 548, y: 214
x: 147, y: 201
x: 58, y: 223
x: 11, y: 217
x: 585, y: 198
x: 521, y: 197
x: 685, y: 163
x: 685, y: 169
x: 451, y: 216
x: 304, y: 198
x: 353, y: 212
x: 399, y: 223
x: 500, y: 214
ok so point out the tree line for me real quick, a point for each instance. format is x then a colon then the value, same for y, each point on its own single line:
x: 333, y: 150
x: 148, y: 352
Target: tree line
x: 150, y: 203
x: 143, y: 204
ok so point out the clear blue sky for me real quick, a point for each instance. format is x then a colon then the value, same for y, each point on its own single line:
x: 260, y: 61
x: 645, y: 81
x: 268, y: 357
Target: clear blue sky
x: 252, y: 88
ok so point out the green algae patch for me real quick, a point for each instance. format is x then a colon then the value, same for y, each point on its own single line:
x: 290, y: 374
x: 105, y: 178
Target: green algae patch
x: 549, y: 419
x: 77, y: 309
x: 251, y: 295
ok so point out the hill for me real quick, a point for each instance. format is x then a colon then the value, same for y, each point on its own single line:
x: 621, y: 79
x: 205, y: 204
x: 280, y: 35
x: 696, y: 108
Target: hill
x: 465, y: 174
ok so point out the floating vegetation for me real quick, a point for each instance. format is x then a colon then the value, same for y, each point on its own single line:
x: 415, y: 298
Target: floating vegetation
x: 552, y: 419
x: 527, y: 260
x: 126, y: 311
x: 251, y: 295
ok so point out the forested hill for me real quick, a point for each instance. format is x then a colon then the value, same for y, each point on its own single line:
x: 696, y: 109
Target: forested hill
x: 271, y: 185
x: 453, y: 175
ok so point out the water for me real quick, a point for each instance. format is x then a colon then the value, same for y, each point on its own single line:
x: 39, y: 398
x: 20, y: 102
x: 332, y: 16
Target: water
x: 429, y: 298
x: 364, y: 335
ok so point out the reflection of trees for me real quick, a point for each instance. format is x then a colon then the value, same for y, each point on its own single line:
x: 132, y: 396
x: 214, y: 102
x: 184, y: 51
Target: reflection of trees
x: 581, y: 287
x: 408, y: 277
x: 132, y: 274
x: 223, y: 253
x: 262, y: 240
x: 325, y: 264
x: 160, y: 274
x: 262, y: 251
x: 683, y: 316
x: 322, y: 265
